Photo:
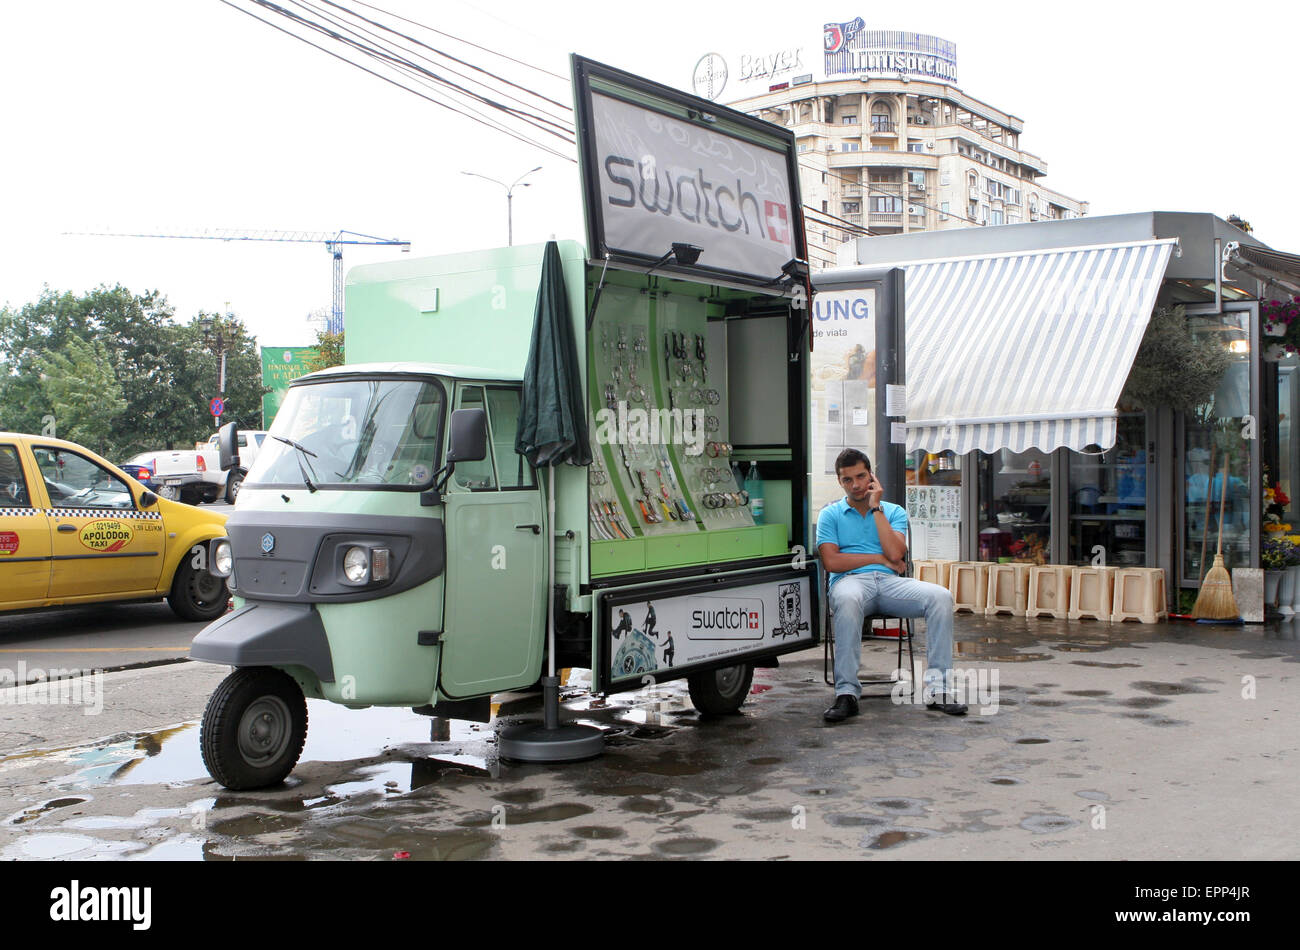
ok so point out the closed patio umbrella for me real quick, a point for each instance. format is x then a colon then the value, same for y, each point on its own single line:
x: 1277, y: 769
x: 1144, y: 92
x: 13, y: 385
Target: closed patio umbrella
x: 552, y: 431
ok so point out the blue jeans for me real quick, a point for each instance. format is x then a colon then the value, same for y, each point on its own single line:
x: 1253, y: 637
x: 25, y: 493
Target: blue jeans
x: 853, y: 596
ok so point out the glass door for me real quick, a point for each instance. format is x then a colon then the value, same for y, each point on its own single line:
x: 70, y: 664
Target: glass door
x: 1108, y: 499
x: 1015, y: 507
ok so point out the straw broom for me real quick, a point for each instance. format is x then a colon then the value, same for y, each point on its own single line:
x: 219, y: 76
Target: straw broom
x: 1215, y: 600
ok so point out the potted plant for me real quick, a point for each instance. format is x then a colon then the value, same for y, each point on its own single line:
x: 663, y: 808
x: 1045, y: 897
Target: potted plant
x: 1282, y: 318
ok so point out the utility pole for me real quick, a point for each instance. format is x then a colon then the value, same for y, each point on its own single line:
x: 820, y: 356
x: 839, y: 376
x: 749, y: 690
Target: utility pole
x: 216, y: 342
x: 510, y: 190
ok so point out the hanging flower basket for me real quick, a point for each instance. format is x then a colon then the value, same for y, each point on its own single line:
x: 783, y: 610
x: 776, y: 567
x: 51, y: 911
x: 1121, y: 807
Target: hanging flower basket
x: 1283, y: 314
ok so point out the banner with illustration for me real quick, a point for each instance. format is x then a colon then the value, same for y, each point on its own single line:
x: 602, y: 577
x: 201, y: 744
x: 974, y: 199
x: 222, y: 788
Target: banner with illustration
x: 843, y: 371
x: 657, y: 634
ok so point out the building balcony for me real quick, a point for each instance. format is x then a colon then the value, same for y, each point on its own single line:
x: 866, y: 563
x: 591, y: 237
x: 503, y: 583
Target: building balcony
x: 886, y: 218
x: 884, y: 128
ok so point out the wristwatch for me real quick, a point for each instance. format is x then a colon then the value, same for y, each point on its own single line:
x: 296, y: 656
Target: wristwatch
x: 872, y: 511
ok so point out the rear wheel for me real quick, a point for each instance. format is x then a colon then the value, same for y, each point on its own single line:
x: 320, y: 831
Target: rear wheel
x: 170, y: 492
x: 253, y: 728
x: 196, y: 593
x: 233, y: 481
x: 720, y: 692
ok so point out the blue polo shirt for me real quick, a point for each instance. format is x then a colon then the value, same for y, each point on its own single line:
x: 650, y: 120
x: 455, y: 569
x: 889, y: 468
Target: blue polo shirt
x: 840, y: 524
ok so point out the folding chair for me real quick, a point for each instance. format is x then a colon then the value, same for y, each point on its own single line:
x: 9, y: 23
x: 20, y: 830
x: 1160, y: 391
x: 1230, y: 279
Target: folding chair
x: 905, y: 631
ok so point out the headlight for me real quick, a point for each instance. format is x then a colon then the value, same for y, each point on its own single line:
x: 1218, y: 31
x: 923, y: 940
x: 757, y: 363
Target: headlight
x: 356, y: 565
x: 222, y: 559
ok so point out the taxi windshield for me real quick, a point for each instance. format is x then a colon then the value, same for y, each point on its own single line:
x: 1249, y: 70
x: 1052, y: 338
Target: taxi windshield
x: 356, y: 433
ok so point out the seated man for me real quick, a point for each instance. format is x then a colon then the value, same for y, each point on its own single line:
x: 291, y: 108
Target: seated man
x: 862, y: 541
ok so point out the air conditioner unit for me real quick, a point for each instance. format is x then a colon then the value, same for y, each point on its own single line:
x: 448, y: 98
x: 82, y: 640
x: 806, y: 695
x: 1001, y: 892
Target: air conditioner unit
x: 914, y: 209
x: 918, y: 185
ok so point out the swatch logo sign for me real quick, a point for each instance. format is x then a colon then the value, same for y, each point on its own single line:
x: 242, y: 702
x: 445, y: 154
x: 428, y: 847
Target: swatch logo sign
x: 727, y: 619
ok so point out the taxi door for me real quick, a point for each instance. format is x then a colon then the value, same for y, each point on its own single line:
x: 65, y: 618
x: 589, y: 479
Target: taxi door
x: 101, y: 544
x: 24, y: 534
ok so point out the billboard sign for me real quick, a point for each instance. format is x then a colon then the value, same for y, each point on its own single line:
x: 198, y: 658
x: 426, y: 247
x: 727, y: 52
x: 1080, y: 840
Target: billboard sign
x: 661, y: 167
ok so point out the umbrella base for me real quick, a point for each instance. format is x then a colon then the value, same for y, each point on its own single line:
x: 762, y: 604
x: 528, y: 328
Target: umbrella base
x: 534, y: 742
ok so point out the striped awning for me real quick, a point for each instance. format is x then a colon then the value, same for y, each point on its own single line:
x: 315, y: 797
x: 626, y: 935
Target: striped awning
x: 1024, y: 350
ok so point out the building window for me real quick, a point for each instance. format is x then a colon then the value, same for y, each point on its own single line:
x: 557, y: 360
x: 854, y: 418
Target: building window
x: 916, y: 178
x: 886, y: 204
x: 851, y: 207
x: 883, y: 174
x: 850, y: 146
x: 880, y: 148
x: 824, y: 206
x: 914, y: 146
x: 943, y: 211
x: 995, y: 217
x: 848, y: 119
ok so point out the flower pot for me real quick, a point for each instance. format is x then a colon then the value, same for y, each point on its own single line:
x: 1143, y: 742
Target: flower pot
x: 1272, y: 580
x: 1274, y: 329
x: 1286, y: 591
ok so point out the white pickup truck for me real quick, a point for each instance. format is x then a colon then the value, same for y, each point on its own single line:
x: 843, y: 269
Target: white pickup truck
x: 177, y: 475
x: 208, y: 462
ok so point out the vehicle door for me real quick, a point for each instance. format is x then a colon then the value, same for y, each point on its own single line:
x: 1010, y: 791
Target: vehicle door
x: 101, y: 542
x: 24, y: 533
x: 495, y: 615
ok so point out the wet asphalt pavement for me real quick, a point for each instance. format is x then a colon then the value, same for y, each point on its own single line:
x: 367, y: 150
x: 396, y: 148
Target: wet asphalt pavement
x: 1171, y: 741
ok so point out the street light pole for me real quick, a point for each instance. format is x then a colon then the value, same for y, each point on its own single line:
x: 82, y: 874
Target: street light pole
x: 510, y: 194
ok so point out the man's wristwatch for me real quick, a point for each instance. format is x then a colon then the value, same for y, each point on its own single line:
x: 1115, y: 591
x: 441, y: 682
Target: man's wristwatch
x: 872, y: 511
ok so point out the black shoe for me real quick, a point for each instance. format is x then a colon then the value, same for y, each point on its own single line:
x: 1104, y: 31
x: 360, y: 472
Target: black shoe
x: 843, y: 707
x: 946, y: 703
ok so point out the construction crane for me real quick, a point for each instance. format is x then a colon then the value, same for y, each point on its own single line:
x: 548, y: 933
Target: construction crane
x: 334, y: 243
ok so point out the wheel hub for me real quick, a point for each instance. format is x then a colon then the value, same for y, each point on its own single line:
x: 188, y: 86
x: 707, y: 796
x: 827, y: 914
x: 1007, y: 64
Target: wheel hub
x: 264, y: 730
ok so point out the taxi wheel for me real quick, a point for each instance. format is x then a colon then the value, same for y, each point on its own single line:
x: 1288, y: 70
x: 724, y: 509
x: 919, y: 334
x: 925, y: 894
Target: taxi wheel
x: 253, y: 728
x: 196, y: 593
x: 720, y: 692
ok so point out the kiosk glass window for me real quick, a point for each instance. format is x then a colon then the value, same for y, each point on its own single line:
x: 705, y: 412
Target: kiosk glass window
x: 1108, y: 499
x: 1015, y: 507
x: 1215, y: 448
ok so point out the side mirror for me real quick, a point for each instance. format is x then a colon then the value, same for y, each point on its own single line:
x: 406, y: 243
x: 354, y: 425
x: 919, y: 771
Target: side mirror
x: 468, y: 436
x: 227, y: 448
x: 148, y: 499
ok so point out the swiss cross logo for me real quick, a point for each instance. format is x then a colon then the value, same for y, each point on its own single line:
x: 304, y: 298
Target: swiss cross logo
x: 778, y: 221
x: 753, y: 620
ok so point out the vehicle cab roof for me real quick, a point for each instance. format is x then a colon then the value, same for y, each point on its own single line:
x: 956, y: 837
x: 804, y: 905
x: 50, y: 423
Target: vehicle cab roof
x: 409, y: 369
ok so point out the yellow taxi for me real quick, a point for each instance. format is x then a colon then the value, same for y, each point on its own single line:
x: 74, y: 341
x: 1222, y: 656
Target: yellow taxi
x: 75, y: 529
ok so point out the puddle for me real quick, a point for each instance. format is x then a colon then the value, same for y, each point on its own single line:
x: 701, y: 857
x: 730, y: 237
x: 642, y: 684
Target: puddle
x: 1032, y: 741
x: 685, y: 847
x: 890, y: 839
x: 855, y: 821
x: 558, y: 812
x: 36, y: 811
x: 1143, y: 702
x: 597, y: 832
x: 1168, y: 689
x: 1004, y: 780
x: 645, y: 806
x: 1087, y: 692
x: 900, y: 806
x: 1093, y: 795
x: 1107, y: 666
x: 1047, y: 824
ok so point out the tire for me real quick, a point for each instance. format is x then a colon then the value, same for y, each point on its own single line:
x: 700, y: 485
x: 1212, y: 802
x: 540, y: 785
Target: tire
x: 720, y: 692
x: 253, y: 728
x: 170, y: 492
x: 233, y: 481
x: 197, y: 594
x: 191, y: 496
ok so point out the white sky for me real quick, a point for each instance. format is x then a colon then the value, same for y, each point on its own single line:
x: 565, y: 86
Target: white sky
x: 175, y: 115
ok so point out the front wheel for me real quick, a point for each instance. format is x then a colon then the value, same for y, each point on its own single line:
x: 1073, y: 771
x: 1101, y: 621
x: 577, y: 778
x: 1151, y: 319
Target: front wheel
x: 233, y: 481
x: 254, y: 728
x: 720, y: 692
x: 196, y: 593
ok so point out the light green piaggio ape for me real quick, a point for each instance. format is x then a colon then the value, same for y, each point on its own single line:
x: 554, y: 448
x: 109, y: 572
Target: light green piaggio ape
x: 390, y: 547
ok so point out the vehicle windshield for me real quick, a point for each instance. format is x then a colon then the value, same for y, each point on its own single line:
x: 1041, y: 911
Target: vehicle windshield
x: 380, y: 433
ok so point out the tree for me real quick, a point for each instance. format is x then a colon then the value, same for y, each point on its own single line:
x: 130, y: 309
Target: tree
x: 82, y: 393
x: 164, y: 372
x: 329, y: 351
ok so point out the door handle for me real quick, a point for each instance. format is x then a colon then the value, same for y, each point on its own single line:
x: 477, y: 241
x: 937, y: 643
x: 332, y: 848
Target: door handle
x: 67, y: 527
x: 534, y: 528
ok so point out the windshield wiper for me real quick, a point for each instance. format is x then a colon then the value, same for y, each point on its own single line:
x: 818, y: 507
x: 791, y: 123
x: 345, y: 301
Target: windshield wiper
x: 303, y: 451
